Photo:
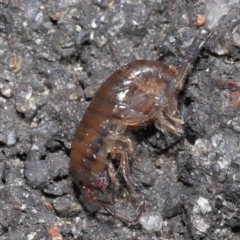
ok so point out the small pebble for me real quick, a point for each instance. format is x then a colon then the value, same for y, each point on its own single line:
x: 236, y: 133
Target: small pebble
x: 151, y: 222
x: 7, y: 91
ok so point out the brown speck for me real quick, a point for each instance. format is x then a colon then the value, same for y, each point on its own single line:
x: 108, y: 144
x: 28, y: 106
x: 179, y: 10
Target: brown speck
x: 54, y: 232
x: 15, y: 64
x: 234, y: 85
x: 12, y: 39
x: 56, y: 16
x: 16, y: 207
x: 49, y: 206
x: 174, y: 7
x: 201, y: 20
x: 235, y: 97
x: 110, y: 5
x: 173, y: 69
x: 4, y: 2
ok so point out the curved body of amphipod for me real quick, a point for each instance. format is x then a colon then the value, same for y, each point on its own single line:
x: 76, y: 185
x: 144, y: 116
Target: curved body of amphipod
x: 132, y: 97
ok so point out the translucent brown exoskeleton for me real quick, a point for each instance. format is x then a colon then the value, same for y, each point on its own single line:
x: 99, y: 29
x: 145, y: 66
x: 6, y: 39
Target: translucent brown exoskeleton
x: 140, y: 93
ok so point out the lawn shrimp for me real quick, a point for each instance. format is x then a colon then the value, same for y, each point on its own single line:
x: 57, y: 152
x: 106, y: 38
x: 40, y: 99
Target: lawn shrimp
x: 140, y: 93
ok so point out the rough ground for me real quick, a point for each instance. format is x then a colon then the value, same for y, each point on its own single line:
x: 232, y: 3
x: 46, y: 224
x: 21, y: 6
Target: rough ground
x: 53, y: 57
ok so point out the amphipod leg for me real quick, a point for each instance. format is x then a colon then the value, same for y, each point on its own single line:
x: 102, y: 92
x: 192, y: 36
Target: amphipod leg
x: 123, y: 146
x: 120, y: 149
x: 171, y: 110
x: 162, y: 122
x: 92, y: 196
x: 172, y: 117
x: 124, y: 167
x: 112, y: 175
x: 141, y: 209
x: 125, y: 170
x: 105, y: 204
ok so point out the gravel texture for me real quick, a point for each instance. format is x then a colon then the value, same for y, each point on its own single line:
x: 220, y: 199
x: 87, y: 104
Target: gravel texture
x: 54, y: 55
